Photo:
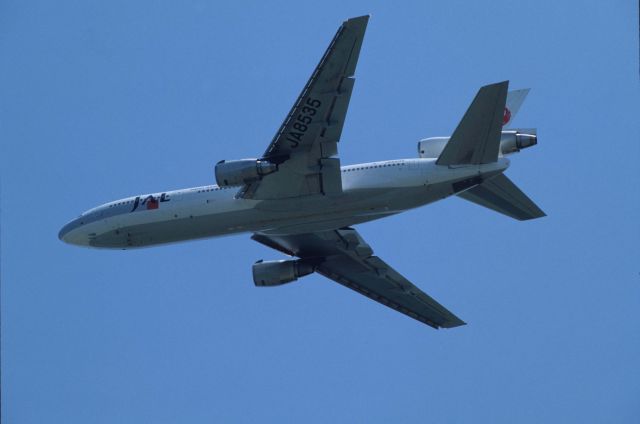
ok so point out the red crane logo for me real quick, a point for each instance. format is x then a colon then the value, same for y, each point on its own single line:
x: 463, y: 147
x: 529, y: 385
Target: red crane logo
x: 506, y: 117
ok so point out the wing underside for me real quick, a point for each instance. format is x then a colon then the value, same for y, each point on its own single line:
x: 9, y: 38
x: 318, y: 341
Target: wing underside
x: 344, y: 257
x: 305, y: 146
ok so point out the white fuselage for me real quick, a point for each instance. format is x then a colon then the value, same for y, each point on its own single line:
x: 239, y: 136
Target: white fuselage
x: 369, y: 191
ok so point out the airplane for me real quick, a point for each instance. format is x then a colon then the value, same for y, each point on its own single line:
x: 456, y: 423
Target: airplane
x: 298, y: 199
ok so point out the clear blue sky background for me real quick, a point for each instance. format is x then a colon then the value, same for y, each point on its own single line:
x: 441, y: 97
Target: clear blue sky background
x: 101, y: 100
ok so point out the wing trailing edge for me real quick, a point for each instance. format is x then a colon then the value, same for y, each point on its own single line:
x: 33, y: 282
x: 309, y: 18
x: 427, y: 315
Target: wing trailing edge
x: 344, y: 257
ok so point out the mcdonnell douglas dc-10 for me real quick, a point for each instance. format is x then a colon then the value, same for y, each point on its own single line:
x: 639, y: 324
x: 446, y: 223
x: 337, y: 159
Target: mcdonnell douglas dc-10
x: 297, y: 198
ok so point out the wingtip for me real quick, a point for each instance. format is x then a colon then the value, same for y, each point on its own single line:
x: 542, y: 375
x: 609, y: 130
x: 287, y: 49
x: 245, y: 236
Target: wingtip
x: 453, y: 323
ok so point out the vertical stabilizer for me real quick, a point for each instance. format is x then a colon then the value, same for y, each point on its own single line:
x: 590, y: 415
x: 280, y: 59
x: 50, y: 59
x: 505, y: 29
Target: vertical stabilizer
x: 515, y: 98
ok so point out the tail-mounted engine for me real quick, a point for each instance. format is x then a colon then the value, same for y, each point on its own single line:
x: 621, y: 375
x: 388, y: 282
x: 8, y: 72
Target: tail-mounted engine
x: 511, y: 141
x: 275, y: 273
x: 515, y: 140
x: 239, y: 172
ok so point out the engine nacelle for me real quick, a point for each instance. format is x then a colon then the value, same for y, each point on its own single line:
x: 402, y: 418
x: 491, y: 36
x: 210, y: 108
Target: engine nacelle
x: 432, y: 147
x: 514, y: 141
x: 239, y: 172
x: 275, y: 273
x: 511, y: 141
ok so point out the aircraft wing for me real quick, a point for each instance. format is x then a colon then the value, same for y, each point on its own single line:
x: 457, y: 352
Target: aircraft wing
x: 344, y: 257
x: 304, y: 146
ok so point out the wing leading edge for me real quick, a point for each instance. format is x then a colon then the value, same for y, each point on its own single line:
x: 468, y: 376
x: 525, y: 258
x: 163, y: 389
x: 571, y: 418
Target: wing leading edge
x: 344, y: 257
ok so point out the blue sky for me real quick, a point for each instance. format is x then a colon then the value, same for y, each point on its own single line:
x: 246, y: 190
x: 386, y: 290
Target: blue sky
x: 101, y: 100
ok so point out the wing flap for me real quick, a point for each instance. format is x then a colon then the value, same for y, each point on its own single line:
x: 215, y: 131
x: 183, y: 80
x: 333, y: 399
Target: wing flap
x: 378, y: 281
x: 338, y: 112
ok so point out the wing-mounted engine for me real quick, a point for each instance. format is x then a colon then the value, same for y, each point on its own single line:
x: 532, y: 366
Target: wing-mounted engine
x: 511, y: 141
x: 244, y: 171
x: 275, y: 273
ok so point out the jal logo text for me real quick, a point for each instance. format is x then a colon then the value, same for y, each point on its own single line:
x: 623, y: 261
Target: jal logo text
x: 150, y: 202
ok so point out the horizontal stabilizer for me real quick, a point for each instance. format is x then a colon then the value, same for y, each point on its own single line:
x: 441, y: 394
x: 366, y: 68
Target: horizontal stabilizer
x: 501, y: 195
x: 476, y: 140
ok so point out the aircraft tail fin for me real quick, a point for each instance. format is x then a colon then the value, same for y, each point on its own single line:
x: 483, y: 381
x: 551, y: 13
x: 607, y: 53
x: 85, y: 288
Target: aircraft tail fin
x: 503, y: 196
x: 515, y: 98
x: 476, y: 140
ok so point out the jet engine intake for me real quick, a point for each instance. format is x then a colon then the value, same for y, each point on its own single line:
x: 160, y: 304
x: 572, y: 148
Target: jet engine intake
x: 239, y: 172
x: 275, y: 273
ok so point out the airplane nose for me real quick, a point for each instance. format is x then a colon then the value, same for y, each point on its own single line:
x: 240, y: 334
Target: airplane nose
x: 71, y: 234
x: 63, y: 232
